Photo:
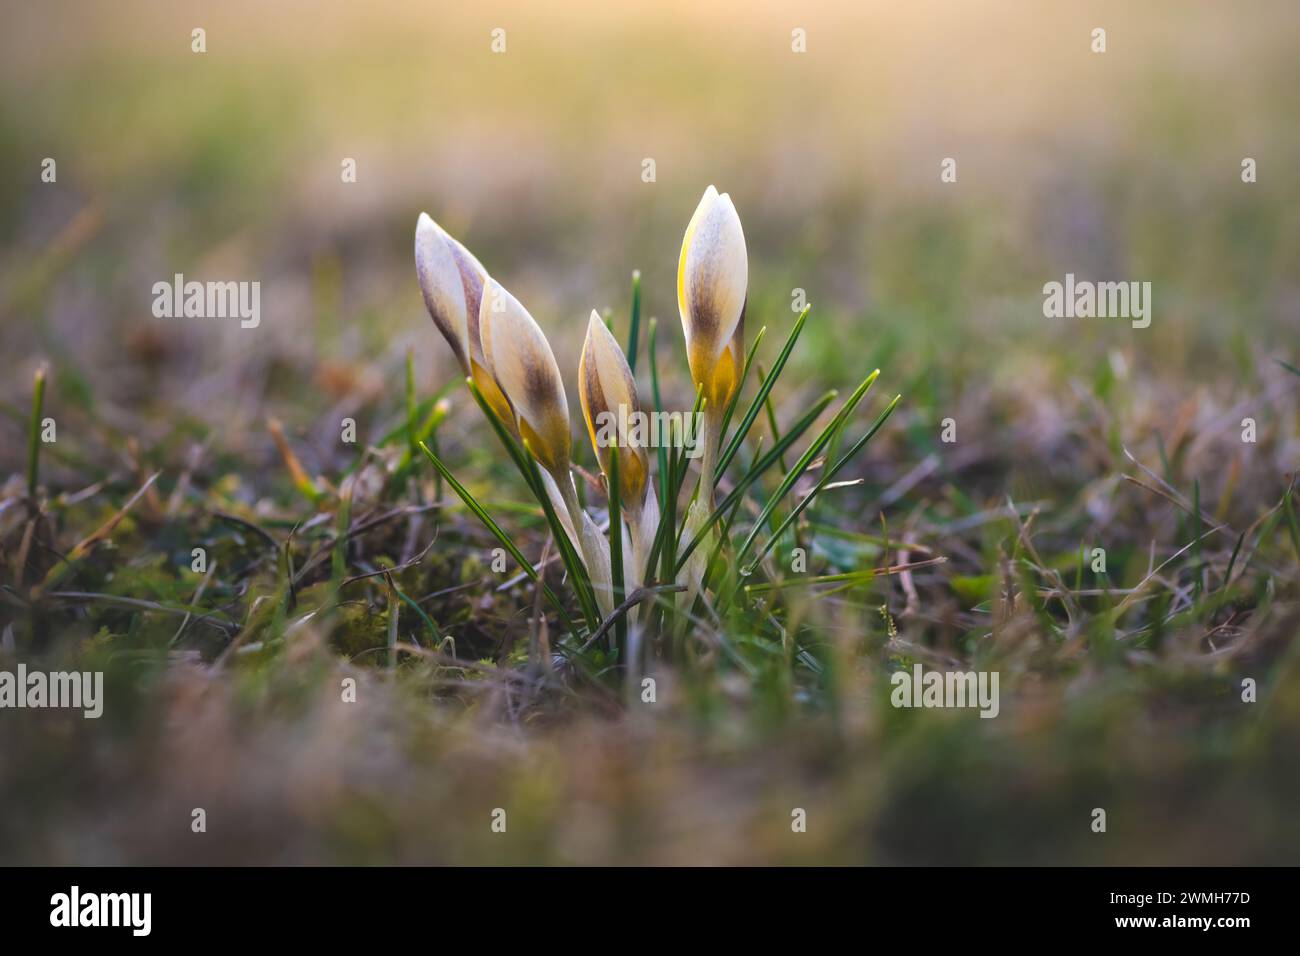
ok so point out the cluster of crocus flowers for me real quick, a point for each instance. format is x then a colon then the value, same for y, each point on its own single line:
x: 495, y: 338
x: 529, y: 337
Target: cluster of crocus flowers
x: 518, y: 378
x: 503, y: 351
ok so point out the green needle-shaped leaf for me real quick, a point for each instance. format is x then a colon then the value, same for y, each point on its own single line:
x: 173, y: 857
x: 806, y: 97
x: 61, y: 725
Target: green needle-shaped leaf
x: 506, y: 542
x: 757, y: 404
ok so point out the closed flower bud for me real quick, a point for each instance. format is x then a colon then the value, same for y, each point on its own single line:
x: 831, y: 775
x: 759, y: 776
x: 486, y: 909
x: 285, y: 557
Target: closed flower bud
x: 611, y: 411
x: 521, y: 361
x: 452, y: 282
x: 712, y: 282
x: 443, y: 286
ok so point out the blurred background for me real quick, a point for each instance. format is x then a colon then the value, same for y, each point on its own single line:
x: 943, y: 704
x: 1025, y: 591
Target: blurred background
x: 1123, y: 165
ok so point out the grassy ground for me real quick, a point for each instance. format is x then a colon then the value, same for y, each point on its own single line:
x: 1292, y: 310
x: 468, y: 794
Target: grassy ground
x: 1120, y: 690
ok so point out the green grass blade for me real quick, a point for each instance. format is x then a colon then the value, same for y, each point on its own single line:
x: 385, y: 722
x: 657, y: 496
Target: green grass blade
x: 667, y: 487
x: 825, y: 479
x: 411, y: 418
x: 634, y: 331
x: 427, y: 433
x: 420, y: 612
x: 34, y: 438
x: 665, y: 540
x: 802, y: 464
x: 505, y: 540
x: 863, y: 576
x: 661, y: 452
x: 568, y: 554
x: 724, y: 536
x: 398, y: 432
x: 616, y: 549
x: 775, y: 428
x: 1196, y: 540
x: 1236, y: 550
x: 1291, y: 525
x: 846, y: 578
x: 339, y: 558
x: 744, y: 376
x: 757, y: 470
x: 771, y: 414
x: 394, y: 617
x: 764, y: 390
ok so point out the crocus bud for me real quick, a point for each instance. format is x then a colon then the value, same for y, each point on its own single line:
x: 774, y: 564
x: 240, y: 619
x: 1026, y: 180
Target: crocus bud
x: 521, y: 361
x: 609, y: 405
x: 443, y: 286
x: 452, y: 281
x: 712, y: 279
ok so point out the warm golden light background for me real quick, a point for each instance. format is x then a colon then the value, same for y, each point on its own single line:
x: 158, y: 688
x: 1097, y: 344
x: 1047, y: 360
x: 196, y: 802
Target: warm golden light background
x: 226, y: 166
x: 1119, y: 165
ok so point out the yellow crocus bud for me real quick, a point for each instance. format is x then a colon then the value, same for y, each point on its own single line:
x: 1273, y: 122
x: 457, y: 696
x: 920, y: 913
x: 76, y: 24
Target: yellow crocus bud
x: 521, y: 361
x: 443, y: 286
x: 712, y: 282
x: 610, y: 408
x: 452, y: 281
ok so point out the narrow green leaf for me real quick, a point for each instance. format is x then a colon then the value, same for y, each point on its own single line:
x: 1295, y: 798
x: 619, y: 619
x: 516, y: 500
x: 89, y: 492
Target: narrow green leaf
x: 665, y: 539
x: 412, y: 422
x: 398, y: 432
x: 427, y: 433
x: 771, y: 414
x: 1196, y: 540
x: 573, y: 563
x: 1236, y: 549
x: 339, y: 558
x: 1291, y: 522
x: 34, y: 438
x: 504, y: 539
x: 667, y: 488
x: 744, y: 376
x: 825, y: 479
x: 802, y: 464
x: 616, y: 549
x: 634, y: 332
x: 764, y: 390
x: 757, y: 470
x: 428, y: 621
x: 862, y: 576
x: 394, y: 616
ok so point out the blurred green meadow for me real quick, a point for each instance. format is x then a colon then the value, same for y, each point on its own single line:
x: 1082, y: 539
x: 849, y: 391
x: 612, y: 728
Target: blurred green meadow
x: 1120, y: 689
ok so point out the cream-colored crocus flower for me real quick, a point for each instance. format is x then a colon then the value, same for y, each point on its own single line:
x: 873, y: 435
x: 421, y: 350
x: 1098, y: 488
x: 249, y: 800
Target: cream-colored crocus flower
x: 452, y: 281
x: 712, y: 284
x: 521, y: 361
x: 611, y: 410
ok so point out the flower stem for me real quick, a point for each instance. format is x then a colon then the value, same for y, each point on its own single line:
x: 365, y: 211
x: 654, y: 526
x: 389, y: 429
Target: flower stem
x: 594, y: 553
